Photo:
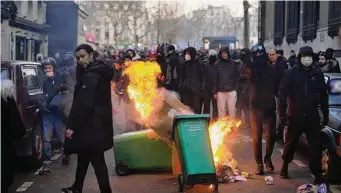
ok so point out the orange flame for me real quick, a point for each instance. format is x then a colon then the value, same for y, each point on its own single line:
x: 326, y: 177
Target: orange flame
x: 218, y: 130
x: 142, y: 88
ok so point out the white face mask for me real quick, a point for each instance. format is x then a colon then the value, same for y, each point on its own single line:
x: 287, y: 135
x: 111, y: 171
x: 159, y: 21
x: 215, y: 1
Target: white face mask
x: 49, y: 74
x: 306, y: 61
x: 187, y: 57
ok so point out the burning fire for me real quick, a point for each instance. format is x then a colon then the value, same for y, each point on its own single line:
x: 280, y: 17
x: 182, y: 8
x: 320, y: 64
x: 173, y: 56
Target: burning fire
x: 142, y: 87
x: 218, y: 130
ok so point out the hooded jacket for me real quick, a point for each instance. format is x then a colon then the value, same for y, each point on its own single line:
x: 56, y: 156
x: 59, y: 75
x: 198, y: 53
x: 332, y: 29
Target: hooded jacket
x: 303, y: 90
x: 54, y: 86
x: 91, y: 113
x: 12, y: 127
x: 191, y: 72
x: 225, y: 74
x: 264, y: 83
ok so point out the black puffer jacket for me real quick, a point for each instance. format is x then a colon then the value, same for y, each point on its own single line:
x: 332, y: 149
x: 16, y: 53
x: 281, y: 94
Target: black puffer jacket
x: 191, y: 73
x: 91, y: 113
x: 225, y: 74
x: 303, y: 90
x: 264, y: 83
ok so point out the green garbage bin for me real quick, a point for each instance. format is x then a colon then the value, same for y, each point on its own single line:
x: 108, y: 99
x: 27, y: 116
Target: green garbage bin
x: 191, y: 136
x: 139, y: 150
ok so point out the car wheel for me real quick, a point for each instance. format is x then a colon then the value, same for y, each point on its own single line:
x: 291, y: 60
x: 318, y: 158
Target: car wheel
x: 37, y: 147
x: 330, y: 165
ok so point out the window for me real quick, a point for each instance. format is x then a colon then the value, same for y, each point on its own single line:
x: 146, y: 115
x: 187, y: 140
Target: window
x: 293, y: 21
x: 5, y: 74
x: 21, y: 48
x: 311, y: 15
x: 279, y: 22
x: 31, y: 79
x: 334, y: 18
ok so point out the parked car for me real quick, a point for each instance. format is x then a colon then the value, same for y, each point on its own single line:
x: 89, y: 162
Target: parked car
x: 27, y: 78
x: 331, y: 135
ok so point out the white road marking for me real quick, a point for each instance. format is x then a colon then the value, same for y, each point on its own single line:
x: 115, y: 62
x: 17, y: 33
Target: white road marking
x: 37, y: 172
x: 299, y: 163
x: 281, y: 150
x: 24, y: 186
x: 55, y: 157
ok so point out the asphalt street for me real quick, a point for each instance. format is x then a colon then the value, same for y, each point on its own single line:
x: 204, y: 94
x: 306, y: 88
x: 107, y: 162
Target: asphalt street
x: 158, y: 182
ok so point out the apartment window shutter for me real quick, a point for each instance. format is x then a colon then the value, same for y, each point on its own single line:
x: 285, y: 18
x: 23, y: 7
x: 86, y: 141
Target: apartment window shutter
x: 334, y: 18
x: 311, y: 12
x: 279, y: 24
x: 293, y: 21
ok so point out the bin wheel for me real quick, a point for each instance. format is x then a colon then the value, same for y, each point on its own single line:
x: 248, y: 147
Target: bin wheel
x: 122, y: 169
x: 181, y: 181
x: 216, y: 187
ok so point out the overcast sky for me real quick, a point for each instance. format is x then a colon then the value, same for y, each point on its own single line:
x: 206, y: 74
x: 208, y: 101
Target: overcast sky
x: 236, y: 6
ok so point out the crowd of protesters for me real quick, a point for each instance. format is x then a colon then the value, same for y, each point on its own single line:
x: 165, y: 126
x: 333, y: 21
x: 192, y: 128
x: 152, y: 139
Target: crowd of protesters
x: 261, y: 87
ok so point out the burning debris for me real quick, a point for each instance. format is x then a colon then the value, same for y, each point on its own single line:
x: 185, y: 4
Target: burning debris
x: 224, y: 162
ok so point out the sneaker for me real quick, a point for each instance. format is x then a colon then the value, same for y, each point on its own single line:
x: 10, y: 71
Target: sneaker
x: 70, y: 190
x: 66, y: 160
x: 46, y: 168
x: 260, y: 170
x: 268, y: 164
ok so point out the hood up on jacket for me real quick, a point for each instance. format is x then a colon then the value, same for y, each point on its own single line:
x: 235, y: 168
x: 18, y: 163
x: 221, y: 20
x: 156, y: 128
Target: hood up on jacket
x: 192, y: 51
x: 134, y: 53
x: 105, y: 71
x: 7, y: 89
x: 224, y: 49
x: 304, y: 50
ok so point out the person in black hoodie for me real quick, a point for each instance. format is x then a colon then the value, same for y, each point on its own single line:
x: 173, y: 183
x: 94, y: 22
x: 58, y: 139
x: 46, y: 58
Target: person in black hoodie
x: 304, y: 91
x: 90, y: 129
x: 224, y: 80
x: 12, y: 127
x: 190, y: 80
x: 243, y: 90
x: 172, y: 63
x: 264, y: 83
x: 207, y: 95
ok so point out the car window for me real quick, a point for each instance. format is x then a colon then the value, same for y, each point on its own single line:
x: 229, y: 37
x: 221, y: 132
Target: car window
x: 335, y: 86
x: 31, y: 79
x: 5, y: 74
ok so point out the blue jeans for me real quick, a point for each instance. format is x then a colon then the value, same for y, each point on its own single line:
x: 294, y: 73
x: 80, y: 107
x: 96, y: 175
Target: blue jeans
x: 51, y: 124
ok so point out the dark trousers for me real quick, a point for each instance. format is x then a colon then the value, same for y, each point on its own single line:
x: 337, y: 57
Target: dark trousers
x: 98, y: 162
x: 259, y: 122
x: 311, y: 127
x: 243, y: 106
x: 191, y: 99
x: 206, y: 102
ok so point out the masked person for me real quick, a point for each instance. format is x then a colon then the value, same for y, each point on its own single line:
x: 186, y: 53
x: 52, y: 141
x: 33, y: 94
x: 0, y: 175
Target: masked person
x: 334, y: 66
x: 58, y: 95
x: 89, y: 128
x: 243, y: 91
x: 190, y: 80
x: 264, y: 83
x: 172, y: 69
x: 292, y: 60
x: 304, y: 89
x: 206, y: 90
x: 224, y: 80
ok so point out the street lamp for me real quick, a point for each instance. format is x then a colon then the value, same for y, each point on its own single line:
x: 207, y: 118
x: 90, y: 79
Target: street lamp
x: 246, y: 6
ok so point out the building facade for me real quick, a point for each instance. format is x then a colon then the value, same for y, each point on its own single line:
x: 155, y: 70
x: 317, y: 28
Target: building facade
x: 27, y: 35
x: 289, y: 25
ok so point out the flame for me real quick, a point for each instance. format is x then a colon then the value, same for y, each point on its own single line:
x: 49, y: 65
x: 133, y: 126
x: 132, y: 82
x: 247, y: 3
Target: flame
x: 218, y: 130
x: 142, y: 88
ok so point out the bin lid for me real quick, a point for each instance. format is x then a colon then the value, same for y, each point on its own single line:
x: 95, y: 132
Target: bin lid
x: 192, y: 116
